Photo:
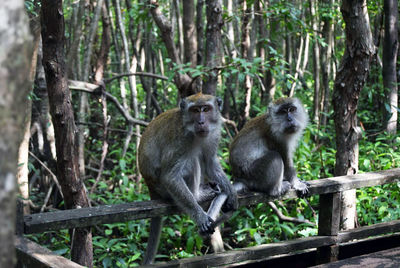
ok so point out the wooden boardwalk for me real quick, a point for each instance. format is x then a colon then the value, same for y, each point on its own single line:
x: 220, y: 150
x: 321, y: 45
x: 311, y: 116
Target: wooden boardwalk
x: 389, y: 258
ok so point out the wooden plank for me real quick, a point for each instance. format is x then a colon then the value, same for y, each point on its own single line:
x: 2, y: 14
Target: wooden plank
x: 250, y: 253
x: 31, y: 254
x: 329, y: 211
x: 367, y: 231
x: 85, y: 217
x: 343, y: 183
x: 328, y: 224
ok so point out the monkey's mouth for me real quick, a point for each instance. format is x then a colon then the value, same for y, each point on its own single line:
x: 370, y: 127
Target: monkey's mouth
x: 291, y: 129
x: 201, y: 131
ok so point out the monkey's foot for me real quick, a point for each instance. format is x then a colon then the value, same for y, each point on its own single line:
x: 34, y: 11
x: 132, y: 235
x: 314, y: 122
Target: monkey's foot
x: 285, y: 187
x: 206, y: 226
x: 301, y: 187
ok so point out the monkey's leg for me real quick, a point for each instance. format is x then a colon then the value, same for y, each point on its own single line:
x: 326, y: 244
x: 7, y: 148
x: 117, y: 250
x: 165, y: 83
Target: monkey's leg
x: 153, y: 241
x: 217, y: 203
x: 266, y: 175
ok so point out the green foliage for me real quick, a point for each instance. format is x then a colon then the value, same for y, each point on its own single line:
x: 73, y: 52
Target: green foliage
x: 123, y: 244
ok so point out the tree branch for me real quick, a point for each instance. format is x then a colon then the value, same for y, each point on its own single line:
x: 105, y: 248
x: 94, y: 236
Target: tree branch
x: 92, y: 88
x: 106, y: 81
x: 286, y: 218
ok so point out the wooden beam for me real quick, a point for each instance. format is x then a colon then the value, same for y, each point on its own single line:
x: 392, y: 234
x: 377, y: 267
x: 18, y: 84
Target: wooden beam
x: 31, y: 254
x: 367, y: 231
x: 250, y: 253
x: 83, y: 217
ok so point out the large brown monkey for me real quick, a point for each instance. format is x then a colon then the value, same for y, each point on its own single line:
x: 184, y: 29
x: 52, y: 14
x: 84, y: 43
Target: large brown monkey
x: 177, y: 151
x: 261, y: 155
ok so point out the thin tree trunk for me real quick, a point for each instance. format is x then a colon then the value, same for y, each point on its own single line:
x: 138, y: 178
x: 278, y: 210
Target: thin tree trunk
x: 74, y: 67
x: 389, y: 60
x: 64, y: 125
x: 189, y: 33
x: 182, y: 81
x: 231, y: 82
x: 131, y: 79
x: 326, y: 56
x: 349, y: 81
x: 15, y: 56
x: 213, y: 52
x: 23, y: 149
x: 179, y: 27
x: 316, y: 63
x: 84, y: 102
x: 245, y: 50
x: 200, y: 31
x: 270, y: 81
x: 99, y: 77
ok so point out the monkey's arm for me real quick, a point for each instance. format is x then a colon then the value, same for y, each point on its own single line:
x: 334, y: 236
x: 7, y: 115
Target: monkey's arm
x: 215, y: 174
x: 173, y: 182
x: 290, y: 175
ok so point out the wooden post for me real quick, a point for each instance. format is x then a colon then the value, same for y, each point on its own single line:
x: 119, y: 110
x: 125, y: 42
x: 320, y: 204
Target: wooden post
x: 19, y: 223
x: 328, y: 224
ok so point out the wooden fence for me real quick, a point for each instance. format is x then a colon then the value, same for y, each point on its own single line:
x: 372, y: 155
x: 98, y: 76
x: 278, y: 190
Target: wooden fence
x: 327, y: 241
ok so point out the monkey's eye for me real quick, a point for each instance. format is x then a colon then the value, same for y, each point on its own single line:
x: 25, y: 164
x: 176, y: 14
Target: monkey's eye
x: 206, y: 109
x: 195, y: 109
x: 292, y: 109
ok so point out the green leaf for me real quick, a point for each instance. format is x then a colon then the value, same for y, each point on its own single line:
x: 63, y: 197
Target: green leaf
x: 190, y: 244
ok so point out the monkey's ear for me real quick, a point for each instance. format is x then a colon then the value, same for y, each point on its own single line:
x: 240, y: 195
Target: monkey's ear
x: 219, y: 103
x: 182, y: 104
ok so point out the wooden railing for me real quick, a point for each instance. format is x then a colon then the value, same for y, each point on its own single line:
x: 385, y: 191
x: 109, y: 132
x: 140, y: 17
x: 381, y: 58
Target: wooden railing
x: 327, y: 240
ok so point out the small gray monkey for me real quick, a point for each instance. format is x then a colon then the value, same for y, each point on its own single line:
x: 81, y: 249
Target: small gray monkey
x: 261, y: 155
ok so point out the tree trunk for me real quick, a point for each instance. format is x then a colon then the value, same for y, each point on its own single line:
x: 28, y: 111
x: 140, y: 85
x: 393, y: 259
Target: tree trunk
x: 84, y: 102
x: 189, y: 33
x: 182, y: 81
x: 349, y: 81
x: 213, y: 51
x: 64, y: 125
x: 74, y: 67
x: 200, y: 30
x: 326, y: 56
x: 15, y: 56
x: 245, y: 50
x: 390, y: 47
x: 316, y: 63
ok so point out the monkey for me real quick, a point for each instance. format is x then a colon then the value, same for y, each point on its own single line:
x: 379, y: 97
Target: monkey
x: 261, y: 154
x: 177, y: 156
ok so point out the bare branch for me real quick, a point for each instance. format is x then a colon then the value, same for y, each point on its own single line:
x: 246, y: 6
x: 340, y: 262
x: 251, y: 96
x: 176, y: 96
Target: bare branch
x: 106, y: 81
x: 53, y: 176
x: 92, y: 88
x: 286, y: 218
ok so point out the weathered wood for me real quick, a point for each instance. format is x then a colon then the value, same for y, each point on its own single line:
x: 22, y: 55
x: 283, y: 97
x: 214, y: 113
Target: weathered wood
x: 367, y: 231
x: 19, y: 222
x: 328, y: 220
x: 343, y: 183
x: 328, y: 224
x: 33, y: 255
x: 250, y: 253
x: 84, y: 217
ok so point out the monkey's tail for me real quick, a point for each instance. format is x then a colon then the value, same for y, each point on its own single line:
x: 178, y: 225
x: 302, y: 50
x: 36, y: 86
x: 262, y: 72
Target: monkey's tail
x: 154, y: 238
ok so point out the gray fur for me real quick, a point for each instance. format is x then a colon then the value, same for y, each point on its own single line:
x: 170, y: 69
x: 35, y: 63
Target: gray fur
x: 177, y: 155
x: 261, y: 155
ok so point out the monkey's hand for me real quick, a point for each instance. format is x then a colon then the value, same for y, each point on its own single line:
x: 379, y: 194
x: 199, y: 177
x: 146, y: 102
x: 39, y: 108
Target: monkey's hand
x: 231, y: 202
x: 206, y: 225
x: 300, y: 186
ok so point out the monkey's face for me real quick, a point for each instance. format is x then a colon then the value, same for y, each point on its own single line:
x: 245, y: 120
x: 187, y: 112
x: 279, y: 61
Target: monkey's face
x: 200, y: 114
x: 288, y: 114
x: 201, y: 117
